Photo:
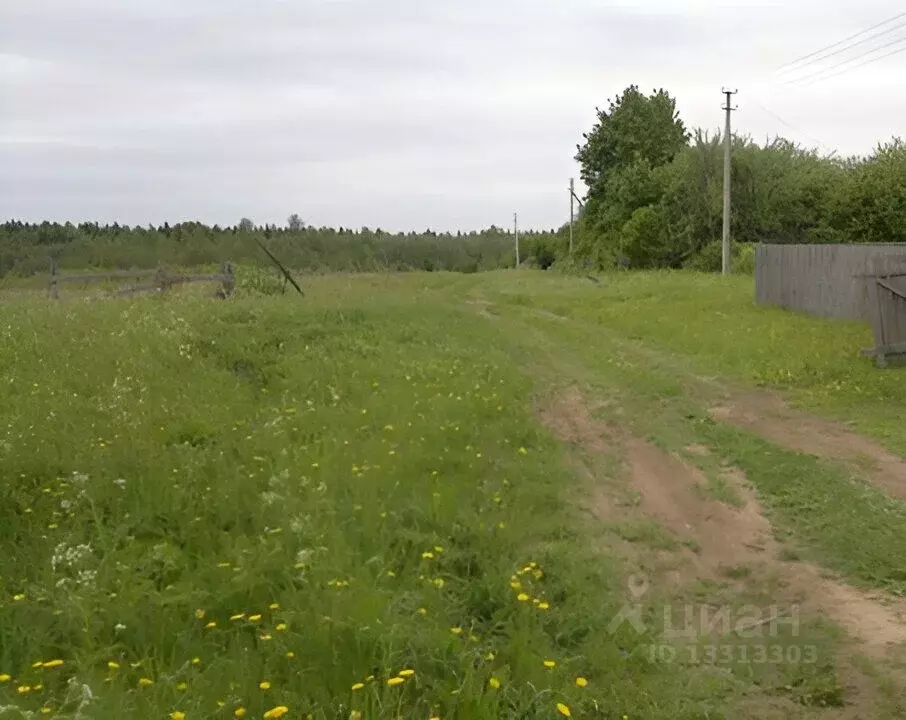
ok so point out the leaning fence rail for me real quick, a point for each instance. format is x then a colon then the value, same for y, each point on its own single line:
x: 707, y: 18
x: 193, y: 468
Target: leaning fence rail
x: 161, y: 280
x: 888, y: 320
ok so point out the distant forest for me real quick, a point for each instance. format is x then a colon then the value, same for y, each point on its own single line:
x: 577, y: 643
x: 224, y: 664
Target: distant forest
x: 26, y: 249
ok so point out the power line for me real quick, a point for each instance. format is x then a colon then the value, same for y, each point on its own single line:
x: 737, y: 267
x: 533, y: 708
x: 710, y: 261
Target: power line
x: 798, y: 80
x: 866, y: 62
x: 841, y: 42
x: 847, y: 47
x: 792, y: 127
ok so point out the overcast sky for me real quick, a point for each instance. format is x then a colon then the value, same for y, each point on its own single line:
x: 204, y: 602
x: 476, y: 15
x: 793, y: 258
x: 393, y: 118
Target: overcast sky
x: 391, y: 113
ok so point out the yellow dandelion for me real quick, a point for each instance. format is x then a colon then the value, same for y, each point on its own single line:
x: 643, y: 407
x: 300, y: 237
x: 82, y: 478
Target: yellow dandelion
x: 237, y: 616
x: 390, y: 573
x: 406, y: 673
x: 264, y: 685
x: 494, y: 683
x: 196, y: 660
x: 516, y: 585
x: 113, y: 665
x: 427, y: 555
x: 355, y: 715
x: 19, y: 597
x: 396, y: 681
x: 543, y: 606
x: 422, y: 611
x: 199, y: 614
x: 456, y: 630
x: 357, y: 687
x: 145, y: 682
x: 254, y: 618
x: 37, y: 664
x: 46, y: 710
x: 51, y: 664
x: 182, y: 686
x: 23, y: 689
x: 581, y: 682
x: 438, y: 549
x: 239, y: 712
x: 439, y: 583
x: 274, y: 606
x: 265, y: 636
x: 550, y: 663
x: 276, y: 712
x: 290, y: 654
x: 523, y: 451
x: 5, y: 678
x: 177, y: 715
x: 210, y: 626
x: 281, y: 627
x: 564, y: 710
x: 522, y: 597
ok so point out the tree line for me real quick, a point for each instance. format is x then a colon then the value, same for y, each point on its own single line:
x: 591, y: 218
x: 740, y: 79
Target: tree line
x: 655, y: 190
x: 26, y: 248
x: 654, y: 200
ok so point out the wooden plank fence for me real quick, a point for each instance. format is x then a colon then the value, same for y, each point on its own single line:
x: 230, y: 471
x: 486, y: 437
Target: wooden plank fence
x: 854, y: 282
x: 160, y: 280
x: 836, y: 281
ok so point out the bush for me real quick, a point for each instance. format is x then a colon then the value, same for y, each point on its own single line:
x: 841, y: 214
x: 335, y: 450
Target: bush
x: 251, y: 280
x: 710, y: 258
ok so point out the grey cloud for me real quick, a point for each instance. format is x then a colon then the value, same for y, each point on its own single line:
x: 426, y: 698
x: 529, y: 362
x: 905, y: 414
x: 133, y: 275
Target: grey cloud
x: 395, y: 113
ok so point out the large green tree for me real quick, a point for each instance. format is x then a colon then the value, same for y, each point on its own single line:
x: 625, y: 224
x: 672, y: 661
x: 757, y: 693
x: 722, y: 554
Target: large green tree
x: 621, y: 161
x: 635, y: 128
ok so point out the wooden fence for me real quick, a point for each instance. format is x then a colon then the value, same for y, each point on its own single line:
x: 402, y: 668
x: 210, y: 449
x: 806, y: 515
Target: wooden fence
x: 835, y: 281
x: 158, y: 280
x: 855, y: 282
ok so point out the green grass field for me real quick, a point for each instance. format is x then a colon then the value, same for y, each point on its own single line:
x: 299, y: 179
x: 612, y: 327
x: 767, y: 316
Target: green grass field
x: 346, y: 506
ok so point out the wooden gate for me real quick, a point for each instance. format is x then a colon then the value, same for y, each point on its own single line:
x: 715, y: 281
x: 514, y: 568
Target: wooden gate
x: 888, y: 319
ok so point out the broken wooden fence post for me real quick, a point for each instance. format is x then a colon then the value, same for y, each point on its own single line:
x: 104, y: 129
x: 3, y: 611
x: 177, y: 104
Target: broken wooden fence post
x: 161, y: 280
x: 229, y: 280
x: 54, y: 280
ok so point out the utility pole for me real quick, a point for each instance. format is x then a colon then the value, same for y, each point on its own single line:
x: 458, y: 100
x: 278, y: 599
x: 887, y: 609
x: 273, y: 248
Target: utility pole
x: 516, y: 233
x: 572, y: 195
x: 725, y: 265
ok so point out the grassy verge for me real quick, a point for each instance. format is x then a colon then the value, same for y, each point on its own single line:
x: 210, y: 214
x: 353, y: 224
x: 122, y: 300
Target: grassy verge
x: 343, y: 508
x: 714, y: 326
x: 843, y: 524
